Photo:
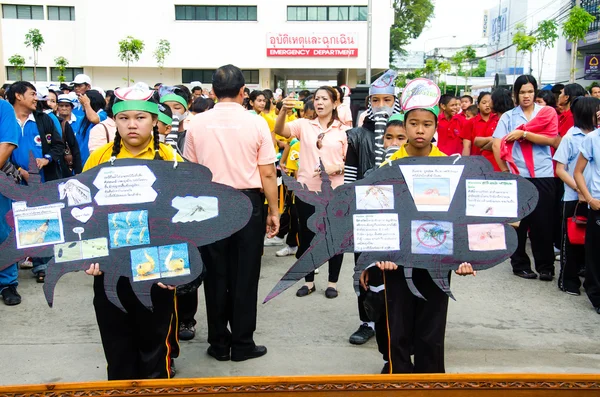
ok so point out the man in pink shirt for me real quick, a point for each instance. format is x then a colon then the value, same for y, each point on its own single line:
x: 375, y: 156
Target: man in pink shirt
x: 237, y: 147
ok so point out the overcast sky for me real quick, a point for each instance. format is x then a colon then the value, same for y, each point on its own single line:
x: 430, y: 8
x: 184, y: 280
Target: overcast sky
x: 465, y: 15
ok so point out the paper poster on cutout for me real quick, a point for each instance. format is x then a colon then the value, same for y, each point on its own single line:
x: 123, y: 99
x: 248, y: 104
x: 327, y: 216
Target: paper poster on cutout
x: 67, y: 252
x: 94, y: 248
x: 432, y: 186
x: 78, y: 250
x: 75, y: 192
x: 144, y: 264
x: 38, y: 226
x: 376, y: 197
x: 82, y: 214
x: 125, y: 185
x: 492, y: 198
x: 486, y: 237
x: 127, y: 229
x: 195, y: 209
x: 432, y: 238
x: 376, y: 232
x: 174, y: 260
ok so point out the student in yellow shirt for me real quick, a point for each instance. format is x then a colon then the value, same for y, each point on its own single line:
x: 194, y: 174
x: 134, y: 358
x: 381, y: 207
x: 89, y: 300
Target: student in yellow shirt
x: 139, y: 343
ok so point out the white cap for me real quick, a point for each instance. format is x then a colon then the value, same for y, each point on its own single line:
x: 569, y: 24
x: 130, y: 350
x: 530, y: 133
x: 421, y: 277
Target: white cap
x: 66, y: 98
x: 195, y: 84
x: 82, y: 79
x: 42, y: 91
x: 101, y: 91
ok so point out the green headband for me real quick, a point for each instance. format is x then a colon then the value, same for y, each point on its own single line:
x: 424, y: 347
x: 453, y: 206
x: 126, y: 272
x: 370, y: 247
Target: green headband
x: 165, y: 119
x: 144, y: 106
x: 174, y: 98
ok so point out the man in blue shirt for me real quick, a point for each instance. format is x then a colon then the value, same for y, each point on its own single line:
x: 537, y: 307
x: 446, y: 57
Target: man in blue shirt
x: 9, y: 138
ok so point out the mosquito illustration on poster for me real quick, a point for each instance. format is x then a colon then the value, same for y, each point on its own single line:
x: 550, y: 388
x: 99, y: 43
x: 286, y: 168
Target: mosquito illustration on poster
x: 376, y: 197
x: 432, y: 238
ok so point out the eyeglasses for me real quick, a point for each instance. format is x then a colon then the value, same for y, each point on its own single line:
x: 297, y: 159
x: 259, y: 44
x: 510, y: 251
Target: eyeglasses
x: 320, y: 140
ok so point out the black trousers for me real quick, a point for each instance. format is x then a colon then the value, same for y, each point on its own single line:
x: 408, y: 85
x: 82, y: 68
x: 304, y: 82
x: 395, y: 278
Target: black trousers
x: 592, y: 258
x: 540, y: 226
x: 416, y: 326
x: 187, y: 306
x: 289, y: 221
x: 558, y: 215
x: 231, y: 282
x: 139, y: 343
x: 306, y: 235
x: 572, y: 257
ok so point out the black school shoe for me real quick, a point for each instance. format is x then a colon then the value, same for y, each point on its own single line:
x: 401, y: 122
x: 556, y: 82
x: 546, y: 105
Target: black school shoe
x: 187, y: 331
x: 305, y: 291
x: 10, y: 296
x: 218, y: 354
x: 258, y: 351
x: 526, y: 274
x: 362, y: 335
x: 546, y: 276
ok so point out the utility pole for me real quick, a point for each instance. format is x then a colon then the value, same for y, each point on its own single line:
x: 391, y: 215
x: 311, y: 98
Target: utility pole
x: 574, y: 51
x: 369, y: 39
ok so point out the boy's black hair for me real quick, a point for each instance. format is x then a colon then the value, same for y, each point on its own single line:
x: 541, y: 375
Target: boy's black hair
x: 279, y: 105
x: 473, y: 109
x: 196, y: 88
x: 469, y: 97
x: 502, y: 101
x: 304, y: 93
x: 584, y: 112
x: 434, y: 116
x: 573, y: 90
x: 201, y: 105
x: 394, y: 123
x: 557, y: 88
x: 309, y: 105
x: 227, y: 81
x: 520, y: 82
x: 18, y: 87
x: 548, y: 97
x: 247, y: 90
x: 445, y: 99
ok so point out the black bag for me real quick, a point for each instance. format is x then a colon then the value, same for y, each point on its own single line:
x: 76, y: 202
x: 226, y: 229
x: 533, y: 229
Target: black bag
x: 12, y: 171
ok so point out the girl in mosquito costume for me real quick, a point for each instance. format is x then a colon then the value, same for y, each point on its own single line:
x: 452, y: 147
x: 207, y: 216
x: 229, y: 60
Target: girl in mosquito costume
x: 417, y: 326
x: 138, y: 343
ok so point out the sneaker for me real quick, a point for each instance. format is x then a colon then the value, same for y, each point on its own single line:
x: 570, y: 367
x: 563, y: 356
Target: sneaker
x: 287, y: 251
x: 362, y: 335
x: 187, y: 331
x: 27, y: 263
x: 271, y: 242
x: 556, y: 251
x: 10, y: 296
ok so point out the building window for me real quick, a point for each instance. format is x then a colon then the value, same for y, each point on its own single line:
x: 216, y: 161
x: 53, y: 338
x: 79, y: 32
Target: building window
x: 326, y: 13
x: 592, y: 7
x: 215, y: 13
x: 203, y: 76
x: 61, y: 13
x: 251, y: 76
x: 69, y: 74
x: 15, y: 75
x: 13, y: 11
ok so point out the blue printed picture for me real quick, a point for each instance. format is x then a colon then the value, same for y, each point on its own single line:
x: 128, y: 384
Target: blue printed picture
x: 128, y: 229
x: 174, y: 260
x: 145, y: 264
x: 432, y: 238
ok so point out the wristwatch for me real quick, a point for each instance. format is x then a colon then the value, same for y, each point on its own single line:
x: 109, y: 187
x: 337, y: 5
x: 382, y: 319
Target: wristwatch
x: 48, y: 157
x: 524, y: 134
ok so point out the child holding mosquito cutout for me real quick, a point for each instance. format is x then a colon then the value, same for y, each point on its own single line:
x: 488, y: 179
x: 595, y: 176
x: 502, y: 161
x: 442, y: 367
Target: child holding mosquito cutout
x: 139, y: 343
x: 416, y: 326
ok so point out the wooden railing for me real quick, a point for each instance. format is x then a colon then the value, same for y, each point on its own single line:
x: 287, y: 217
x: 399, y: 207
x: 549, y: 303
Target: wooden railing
x: 464, y: 385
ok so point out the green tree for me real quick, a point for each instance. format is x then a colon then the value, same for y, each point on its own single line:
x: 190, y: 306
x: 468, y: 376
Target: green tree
x: 481, y: 68
x: 546, y: 35
x: 574, y: 29
x: 130, y: 50
x: 410, y: 17
x: 162, y: 50
x: 470, y: 56
x: 18, y: 62
x: 442, y: 69
x: 61, y: 66
x: 457, y: 60
x: 35, y: 40
x: 524, y: 42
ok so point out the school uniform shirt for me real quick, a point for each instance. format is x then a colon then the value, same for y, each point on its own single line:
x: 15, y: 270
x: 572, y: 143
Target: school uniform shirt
x: 104, y: 153
x: 293, y: 160
x: 565, y: 122
x: 402, y: 153
x: 590, y: 149
x: 448, y: 139
x: 477, y: 127
x: 567, y: 154
x: 29, y: 141
x: 9, y: 133
x: 542, y: 158
x: 333, y: 151
x: 345, y: 114
x: 232, y: 143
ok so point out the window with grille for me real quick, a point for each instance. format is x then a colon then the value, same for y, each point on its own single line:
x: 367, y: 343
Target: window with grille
x: 215, y: 13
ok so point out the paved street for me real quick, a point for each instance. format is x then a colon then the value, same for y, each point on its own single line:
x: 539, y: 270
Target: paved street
x: 499, y: 323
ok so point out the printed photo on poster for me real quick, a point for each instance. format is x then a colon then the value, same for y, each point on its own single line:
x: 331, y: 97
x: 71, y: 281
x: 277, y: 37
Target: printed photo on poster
x: 75, y: 192
x: 127, y: 229
x: 94, y: 248
x: 376, y: 197
x: 195, y: 209
x: 486, y: 237
x: 434, y: 191
x: 432, y: 238
x: 174, y: 260
x: 492, y: 198
x: 67, y: 252
x: 432, y: 187
x: 145, y: 264
x: 38, y: 226
x: 79, y: 250
x: 376, y: 232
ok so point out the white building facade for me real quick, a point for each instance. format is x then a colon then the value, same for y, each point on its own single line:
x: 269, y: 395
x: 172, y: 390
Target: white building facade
x: 271, y: 40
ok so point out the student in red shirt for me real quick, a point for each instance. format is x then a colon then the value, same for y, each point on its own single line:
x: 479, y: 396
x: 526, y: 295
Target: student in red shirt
x: 449, y: 126
x: 565, y: 99
x: 465, y: 102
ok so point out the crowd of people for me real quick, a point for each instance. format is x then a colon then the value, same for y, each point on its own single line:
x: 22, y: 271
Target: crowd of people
x: 249, y: 138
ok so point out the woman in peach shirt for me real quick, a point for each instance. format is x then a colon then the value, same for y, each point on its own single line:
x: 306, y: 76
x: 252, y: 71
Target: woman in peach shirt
x: 323, y: 140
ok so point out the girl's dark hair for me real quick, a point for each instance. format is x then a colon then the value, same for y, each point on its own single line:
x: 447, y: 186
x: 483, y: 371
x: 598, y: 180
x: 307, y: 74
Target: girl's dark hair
x: 332, y: 92
x: 97, y: 103
x: 340, y: 93
x: 184, y: 92
x: 520, y: 82
x: 166, y: 110
x: 201, y: 105
x: 309, y: 105
x: 109, y: 105
x: 279, y: 105
x: 269, y: 97
x: 584, y: 112
x: 573, y: 90
x: 254, y: 96
x: 394, y: 123
x: 502, y: 101
x: 117, y: 142
x: 482, y: 95
x: 548, y: 97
